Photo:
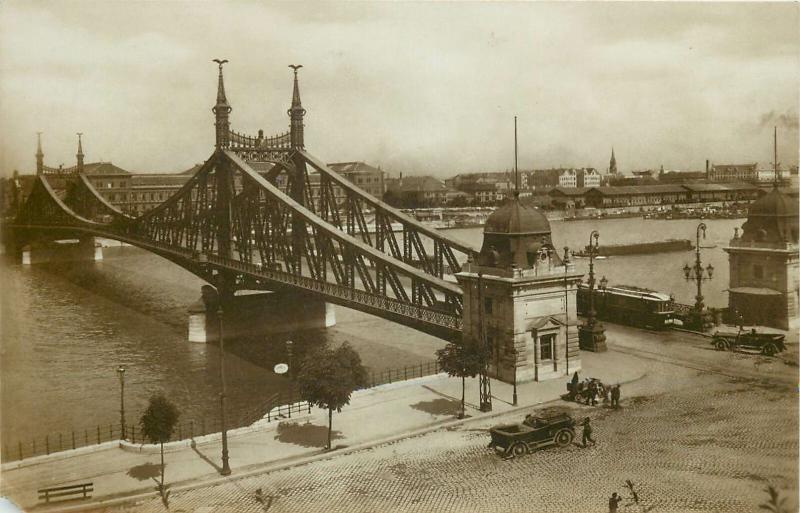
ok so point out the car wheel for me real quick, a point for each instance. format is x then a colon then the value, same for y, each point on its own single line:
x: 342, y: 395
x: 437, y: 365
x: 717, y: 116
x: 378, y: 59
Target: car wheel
x: 564, y: 437
x: 519, y: 449
x: 721, y: 344
x: 769, y: 350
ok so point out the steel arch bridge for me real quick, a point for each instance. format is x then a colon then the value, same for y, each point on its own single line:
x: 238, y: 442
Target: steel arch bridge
x: 240, y: 229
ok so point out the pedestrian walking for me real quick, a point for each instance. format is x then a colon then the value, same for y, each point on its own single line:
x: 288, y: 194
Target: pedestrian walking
x: 592, y: 393
x: 615, y: 394
x: 613, y: 502
x: 587, y: 432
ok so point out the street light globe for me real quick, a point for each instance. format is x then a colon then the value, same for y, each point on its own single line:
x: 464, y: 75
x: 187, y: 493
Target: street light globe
x: 121, y: 370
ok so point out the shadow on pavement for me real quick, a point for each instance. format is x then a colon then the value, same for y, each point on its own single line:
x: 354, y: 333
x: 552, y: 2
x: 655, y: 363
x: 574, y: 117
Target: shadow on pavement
x: 145, y: 471
x: 439, y: 407
x: 206, y: 459
x: 305, y: 435
x: 450, y: 397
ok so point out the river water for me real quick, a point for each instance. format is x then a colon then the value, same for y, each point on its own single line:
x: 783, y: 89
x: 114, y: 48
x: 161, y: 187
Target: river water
x: 66, y: 328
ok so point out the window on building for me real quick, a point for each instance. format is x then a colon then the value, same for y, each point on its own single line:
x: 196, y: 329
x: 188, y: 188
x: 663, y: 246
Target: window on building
x: 758, y: 272
x: 546, y: 344
x: 487, y: 305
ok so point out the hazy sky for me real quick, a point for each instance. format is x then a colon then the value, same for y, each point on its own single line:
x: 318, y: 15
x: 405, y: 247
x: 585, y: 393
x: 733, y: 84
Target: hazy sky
x: 414, y: 87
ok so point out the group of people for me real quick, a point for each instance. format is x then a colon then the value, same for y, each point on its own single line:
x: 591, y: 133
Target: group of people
x: 593, y: 390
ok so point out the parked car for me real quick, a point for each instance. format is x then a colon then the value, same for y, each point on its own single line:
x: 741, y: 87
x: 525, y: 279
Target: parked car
x: 768, y: 344
x: 534, y: 432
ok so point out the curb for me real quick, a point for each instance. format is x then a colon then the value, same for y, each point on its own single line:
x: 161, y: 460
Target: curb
x: 270, y: 467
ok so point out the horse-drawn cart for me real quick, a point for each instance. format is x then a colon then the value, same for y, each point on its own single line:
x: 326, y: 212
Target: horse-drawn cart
x: 581, y: 391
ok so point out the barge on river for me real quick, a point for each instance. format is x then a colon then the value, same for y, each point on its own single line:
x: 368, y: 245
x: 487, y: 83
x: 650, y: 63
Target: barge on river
x: 641, y: 248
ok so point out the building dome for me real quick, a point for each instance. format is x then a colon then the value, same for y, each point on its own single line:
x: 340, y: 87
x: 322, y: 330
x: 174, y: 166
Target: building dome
x: 515, y: 235
x: 514, y: 218
x: 772, y: 218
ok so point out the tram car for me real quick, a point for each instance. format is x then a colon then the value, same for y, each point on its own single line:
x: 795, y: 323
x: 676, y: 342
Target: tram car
x: 625, y: 304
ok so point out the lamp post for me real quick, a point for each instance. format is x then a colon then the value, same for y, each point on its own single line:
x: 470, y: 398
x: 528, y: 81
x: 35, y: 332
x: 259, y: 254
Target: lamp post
x: 566, y: 308
x: 592, y: 333
x: 289, y: 345
x: 121, y: 374
x: 699, y: 274
x: 226, y: 469
x: 514, y: 396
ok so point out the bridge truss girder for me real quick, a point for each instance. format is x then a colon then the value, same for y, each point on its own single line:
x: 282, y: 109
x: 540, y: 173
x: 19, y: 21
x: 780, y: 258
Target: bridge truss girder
x: 257, y: 237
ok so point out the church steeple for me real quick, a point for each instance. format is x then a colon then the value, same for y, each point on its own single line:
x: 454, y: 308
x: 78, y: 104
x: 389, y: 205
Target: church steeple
x: 79, y: 155
x: 39, y: 154
x: 296, y: 113
x: 612, y: 165
x: 221, y: 110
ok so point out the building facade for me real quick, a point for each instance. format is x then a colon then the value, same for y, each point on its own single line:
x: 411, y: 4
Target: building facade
x: 764, y: 284
x: 722, y: 173
x: 519, y: 298
x: 365, y: 176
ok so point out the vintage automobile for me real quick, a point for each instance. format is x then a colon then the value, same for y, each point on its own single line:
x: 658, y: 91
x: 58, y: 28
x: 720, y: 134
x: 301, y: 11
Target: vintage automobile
x: 768, y: 344
x: 534, y: 432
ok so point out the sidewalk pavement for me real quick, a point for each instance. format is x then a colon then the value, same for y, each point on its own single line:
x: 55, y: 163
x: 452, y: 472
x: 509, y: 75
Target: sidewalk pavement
x: 374, y: 416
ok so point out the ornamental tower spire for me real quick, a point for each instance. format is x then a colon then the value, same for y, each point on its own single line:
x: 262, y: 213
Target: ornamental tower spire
x: 612, y: 165
x: 39, y: 154
x: 221, y: 110
x: 79, y: 155
x: 296, y: 112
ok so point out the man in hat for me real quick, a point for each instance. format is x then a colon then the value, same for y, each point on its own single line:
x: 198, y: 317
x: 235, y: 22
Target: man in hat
x: 615, y: 393
x: 613, y: 502
x: 587, y: 432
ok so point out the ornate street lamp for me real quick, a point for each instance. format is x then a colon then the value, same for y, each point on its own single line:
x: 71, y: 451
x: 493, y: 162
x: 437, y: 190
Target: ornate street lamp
x: 121, y: 374
x: 591, y: 334
x: 699, y: 274
x: 514, y: 396
x: 226, y: 469
x: 566, y: 308
x: 202, y: 261
x: 289, y: 345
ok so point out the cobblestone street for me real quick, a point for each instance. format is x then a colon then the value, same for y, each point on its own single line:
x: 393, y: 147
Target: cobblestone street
x: 690, y: 440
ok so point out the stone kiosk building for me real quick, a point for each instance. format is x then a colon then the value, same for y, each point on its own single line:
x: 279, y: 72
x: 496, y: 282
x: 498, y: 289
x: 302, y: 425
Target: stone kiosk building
x: 764, y: 284
x: 520, y: 298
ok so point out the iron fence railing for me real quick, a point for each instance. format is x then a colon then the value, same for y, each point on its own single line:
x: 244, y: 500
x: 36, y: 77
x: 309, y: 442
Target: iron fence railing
x: 279, y: 406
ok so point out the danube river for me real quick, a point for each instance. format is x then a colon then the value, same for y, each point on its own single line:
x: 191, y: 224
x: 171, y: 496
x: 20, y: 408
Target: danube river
x: 67, y: 327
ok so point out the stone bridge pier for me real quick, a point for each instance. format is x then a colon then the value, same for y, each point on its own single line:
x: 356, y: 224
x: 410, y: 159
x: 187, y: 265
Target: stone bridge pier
x: 256, y: 313
x: 69, y: 250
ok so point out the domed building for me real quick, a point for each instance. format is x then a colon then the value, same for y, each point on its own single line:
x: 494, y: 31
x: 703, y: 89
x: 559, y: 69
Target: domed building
x: 519, y: 298
x: 764, y: 284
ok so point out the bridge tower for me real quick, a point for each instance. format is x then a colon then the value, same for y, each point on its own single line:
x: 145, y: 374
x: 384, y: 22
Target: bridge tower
x: 296, y: 113
x: 222, y: 110
x: 39, y: 154
x: 79, y: 155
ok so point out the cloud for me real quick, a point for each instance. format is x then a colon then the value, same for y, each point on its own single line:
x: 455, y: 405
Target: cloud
x: 416, y: 87
x: 788, y: 119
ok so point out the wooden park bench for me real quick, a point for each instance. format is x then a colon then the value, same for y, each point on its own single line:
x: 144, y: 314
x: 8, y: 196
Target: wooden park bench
x: 63, y: 493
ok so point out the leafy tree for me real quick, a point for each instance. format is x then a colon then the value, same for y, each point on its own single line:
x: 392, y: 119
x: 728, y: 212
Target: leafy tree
x: 462, y: 360
x: 328, y: 377
x: 776, y: 503
x: 158, y: 422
